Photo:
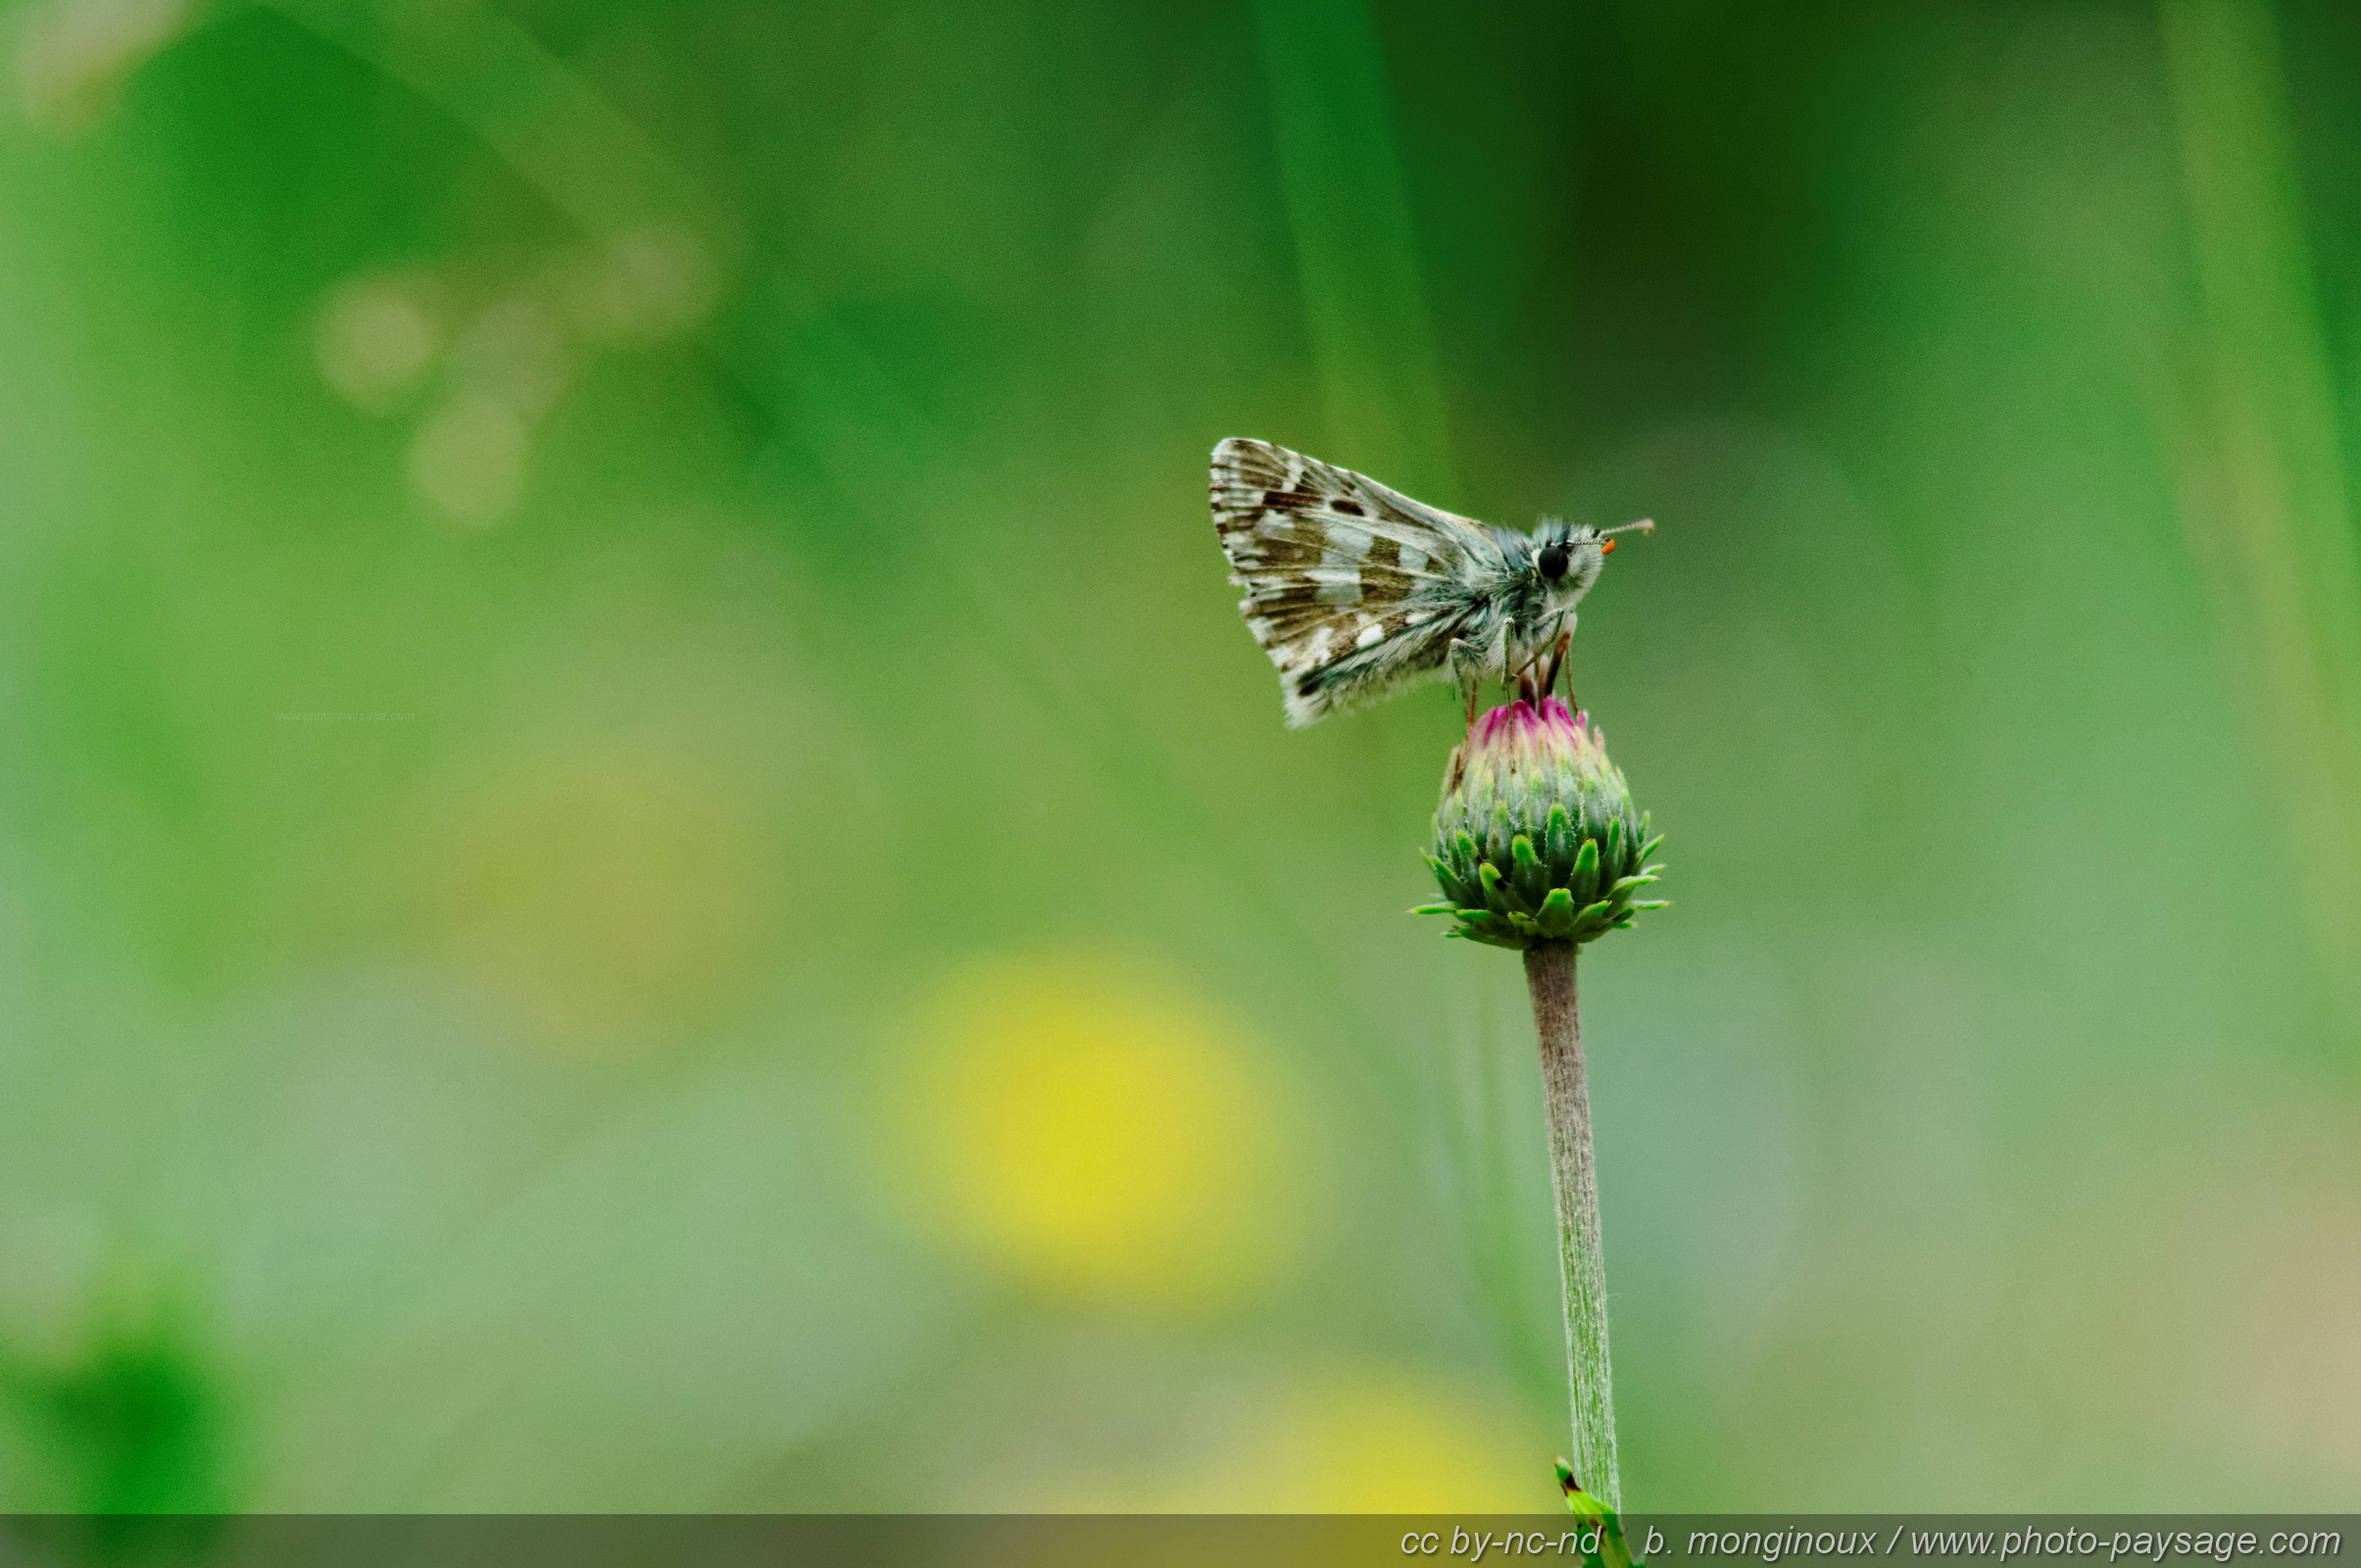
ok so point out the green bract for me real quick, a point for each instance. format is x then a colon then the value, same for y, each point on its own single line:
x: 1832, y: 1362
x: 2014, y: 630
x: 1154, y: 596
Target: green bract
x: 1537, y: 839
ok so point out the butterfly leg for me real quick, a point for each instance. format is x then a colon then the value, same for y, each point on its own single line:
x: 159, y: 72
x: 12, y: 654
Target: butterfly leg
x: 1467, y: 666
x: 1536, y: 676
x: 1558, y: 659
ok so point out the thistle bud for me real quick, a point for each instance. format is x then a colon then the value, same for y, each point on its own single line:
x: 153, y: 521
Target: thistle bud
x: 1537, y: 839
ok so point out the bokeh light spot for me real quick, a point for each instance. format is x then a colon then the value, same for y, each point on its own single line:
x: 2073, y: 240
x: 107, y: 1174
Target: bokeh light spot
x: 516, y: 349
x: 73, y: 56
x: 378, y: 336
x: 643, y: 286
x: 467, y: 459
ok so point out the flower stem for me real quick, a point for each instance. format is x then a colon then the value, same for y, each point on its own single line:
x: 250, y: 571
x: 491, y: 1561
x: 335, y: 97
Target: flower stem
x: 1557, y: 1022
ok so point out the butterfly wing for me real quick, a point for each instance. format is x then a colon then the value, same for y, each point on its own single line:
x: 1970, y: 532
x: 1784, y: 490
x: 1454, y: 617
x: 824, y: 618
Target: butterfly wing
x: 1352, y: 588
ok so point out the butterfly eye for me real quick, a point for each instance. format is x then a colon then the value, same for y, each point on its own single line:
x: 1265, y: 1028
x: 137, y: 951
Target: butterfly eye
x: 1552, y: 562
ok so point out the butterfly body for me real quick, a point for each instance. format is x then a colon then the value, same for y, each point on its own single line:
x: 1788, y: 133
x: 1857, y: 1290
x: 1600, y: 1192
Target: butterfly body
x: 1357, y: 591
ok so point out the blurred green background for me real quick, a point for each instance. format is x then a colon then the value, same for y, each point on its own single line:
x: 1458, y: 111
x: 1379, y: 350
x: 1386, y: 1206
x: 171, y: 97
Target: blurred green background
x: 643, y: 865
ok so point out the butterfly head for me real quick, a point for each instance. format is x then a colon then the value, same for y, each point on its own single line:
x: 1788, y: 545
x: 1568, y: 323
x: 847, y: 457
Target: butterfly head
x: 1567, y: 556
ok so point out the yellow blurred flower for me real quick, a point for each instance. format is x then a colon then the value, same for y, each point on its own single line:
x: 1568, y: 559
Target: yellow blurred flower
x: 1382, y: 1442
x: 1095, y: 1131
x: 1359, y: 1438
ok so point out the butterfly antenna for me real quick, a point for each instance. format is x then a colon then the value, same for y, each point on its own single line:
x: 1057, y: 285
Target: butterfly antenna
x: 1645, y: 526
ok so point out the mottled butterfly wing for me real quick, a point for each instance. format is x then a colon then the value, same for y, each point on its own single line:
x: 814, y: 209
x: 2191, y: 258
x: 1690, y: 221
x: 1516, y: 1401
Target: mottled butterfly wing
x: 1351, y: 587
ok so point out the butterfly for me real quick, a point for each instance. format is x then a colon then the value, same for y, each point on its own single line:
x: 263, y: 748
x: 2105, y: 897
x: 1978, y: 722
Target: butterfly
x: 1357, y: 591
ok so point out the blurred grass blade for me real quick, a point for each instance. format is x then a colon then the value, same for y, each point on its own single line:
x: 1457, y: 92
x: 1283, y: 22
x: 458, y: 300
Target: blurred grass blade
x: 1363, y: 299
x: 545, y: 120
x: 2272, y: 524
